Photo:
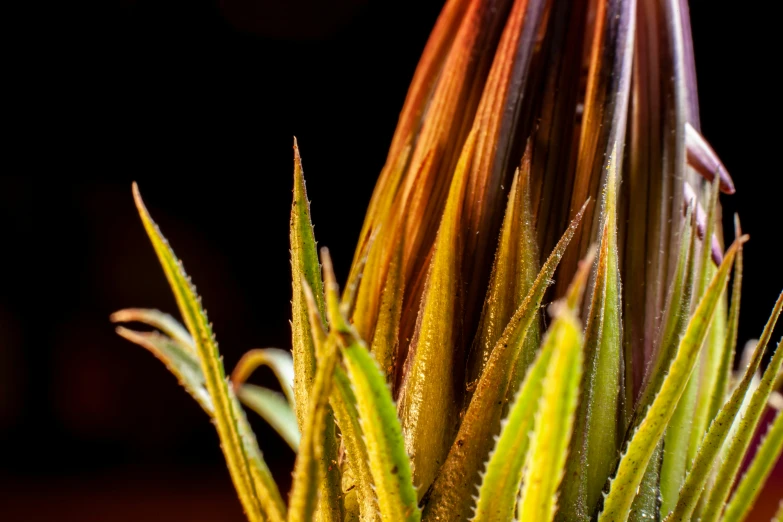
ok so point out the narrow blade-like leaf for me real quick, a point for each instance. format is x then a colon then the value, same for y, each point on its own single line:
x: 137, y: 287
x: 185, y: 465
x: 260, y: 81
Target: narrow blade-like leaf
x: 720, y: 428
x: 738, y: 445
x: 753, y: 481
x: 254, y: 496
x: 427, y: 404
x: 554, y: 421
x: 388, y: 461
x: 515, y: 270
x: 279, y: 361
x: 273, y: 407
x: 599, y: 426
x: 501, y: 482
x: 634, y: 461
x: 304, y: 268
x: 451, y: 495
x: 347, y: 416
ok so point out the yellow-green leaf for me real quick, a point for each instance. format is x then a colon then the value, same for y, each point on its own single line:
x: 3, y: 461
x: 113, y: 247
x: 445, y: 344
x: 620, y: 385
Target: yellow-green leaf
x: 427, y: 403
x: 634, y: 461
x: 273, y: 407
x: 554, y: 420
x: 600, y: 423
x: 279, y: 361
x: 719, y: 430
x: 388, y: 460
x: 738, y: 445
x: 254, y: 496
x: 753, y: 481
x: 304, y: 268
x: 515, y: 269
x: 347, y: 416
x: 500, y: 485
x: 451, y: 494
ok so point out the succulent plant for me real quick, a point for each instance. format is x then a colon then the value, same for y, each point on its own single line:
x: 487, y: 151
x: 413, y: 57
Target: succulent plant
x: 458, y: 377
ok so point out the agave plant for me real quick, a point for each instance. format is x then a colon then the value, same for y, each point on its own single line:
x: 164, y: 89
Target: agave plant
x: 457, y: 377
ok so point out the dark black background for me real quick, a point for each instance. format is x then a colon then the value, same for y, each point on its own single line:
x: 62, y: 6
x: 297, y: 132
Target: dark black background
x: 199, y: 101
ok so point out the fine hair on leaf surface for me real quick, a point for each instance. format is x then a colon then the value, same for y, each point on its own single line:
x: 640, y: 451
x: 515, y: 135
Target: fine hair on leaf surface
x: 540, y: 319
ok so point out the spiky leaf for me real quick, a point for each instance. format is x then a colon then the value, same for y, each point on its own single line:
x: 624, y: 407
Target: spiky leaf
x: 753, y: 481
x: 501, y: 482
x: 451, y: 493
x: 427, y: 404
x: 634, y: 461
x: 388, y: 460
x: 554, y: 420
x: 257, y: 498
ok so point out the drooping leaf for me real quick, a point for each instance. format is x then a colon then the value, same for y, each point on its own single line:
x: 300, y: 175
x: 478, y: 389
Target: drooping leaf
x: 753, y: 481
x: 515, y: 269
x: 600, y: 423
x: 160, y: 320
x: 178, y: 359
x: 636, y: 457
x: 554, y: 422
x: 738, y: 445
x: 179, y: 356
x: 427, y: 404
x: 388, y: 461
x: 279, y: 361
x: 273, y: 407
x: 347, y: 416
x: 500, y: 485
x: 450, y: 498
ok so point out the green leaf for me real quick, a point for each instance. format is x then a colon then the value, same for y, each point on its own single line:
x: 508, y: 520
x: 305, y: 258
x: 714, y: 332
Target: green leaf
x: 753, y: 481
x: 304, y: 268
x: 554, y: 421
x: 273, y: 407
x: 634, y: 462
x: 719, y: 430
x: 738, y: 445
x: 500, y: 484
x: 279, y: 361
x: 599, y: 430
x: 388, y: 460
x: 730, y: 340
x: 306, y: 277
x: 256, y: 497
x: 177, y: 358
x: 712, y: 354
x: 316, y: 473
x: 160, y: 320
x: 687, y: 425
x: 451, y: 495
x: 515, y: 269
x: 427, y: 402
x: 347, y: 416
